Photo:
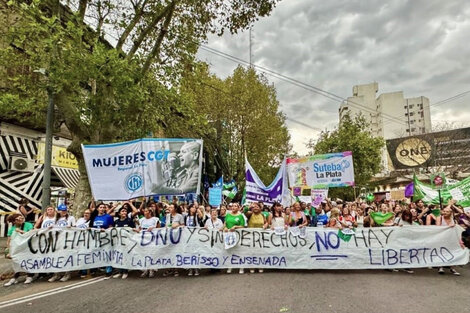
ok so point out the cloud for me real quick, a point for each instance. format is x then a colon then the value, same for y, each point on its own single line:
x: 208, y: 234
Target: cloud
x: 419, y: 47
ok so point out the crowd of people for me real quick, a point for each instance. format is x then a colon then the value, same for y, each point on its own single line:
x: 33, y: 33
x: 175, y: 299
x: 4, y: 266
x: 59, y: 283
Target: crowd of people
x: 149, y: 215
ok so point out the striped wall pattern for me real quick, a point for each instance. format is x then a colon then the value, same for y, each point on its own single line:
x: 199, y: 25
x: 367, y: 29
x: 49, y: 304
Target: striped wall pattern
x: 15, y: 185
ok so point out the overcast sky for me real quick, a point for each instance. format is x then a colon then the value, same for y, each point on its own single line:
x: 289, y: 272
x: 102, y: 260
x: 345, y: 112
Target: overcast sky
x: 418, y: 46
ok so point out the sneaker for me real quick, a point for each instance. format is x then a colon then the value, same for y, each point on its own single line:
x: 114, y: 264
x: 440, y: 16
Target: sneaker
x: 395, y: 270
x: 261, y: 270
x: 252, y: 271
x: 11, y: 282
x: 118, y: 275
x: 151, y: 273
x: 241, y: 271
x: 53, y: 278
x: 144, y: 274
x: 167, y: 273
x: 28, y: 280
x: 65, y: 278
x: 441, y: 270
x: 409, y: 271
x: 196, y: 272
x: 124, y: 275
x: 190, y: 273
x: 229, y: 270
x: 176, y: 274
x: 83, y: 276
x: 454, y: 272
x: 107, y: 277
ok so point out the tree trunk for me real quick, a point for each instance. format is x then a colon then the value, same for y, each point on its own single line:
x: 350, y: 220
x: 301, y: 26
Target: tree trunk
x: 82, y: 192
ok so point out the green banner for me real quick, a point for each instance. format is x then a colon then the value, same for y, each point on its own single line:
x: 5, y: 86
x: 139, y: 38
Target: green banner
x: 459, y: 192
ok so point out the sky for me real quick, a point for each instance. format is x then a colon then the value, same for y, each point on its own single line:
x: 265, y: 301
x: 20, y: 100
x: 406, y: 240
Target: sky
x: 419, y: 47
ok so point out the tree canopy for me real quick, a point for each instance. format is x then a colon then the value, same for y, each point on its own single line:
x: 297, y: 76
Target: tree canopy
x: 122, y: 88
x: 244, y: 119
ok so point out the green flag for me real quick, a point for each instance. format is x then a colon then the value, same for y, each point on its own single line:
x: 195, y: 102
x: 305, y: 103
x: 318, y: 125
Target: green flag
x: 344, y: 236
x: 459, y: 191
x: 380, y: 218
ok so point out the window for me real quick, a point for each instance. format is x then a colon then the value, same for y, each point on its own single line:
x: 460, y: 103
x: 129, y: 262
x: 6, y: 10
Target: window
x: 413, y: 130
x: 412, y: 121
x: 411, y: 106
x: 406, y: 114
x: 411, y: 113
x: 406, y: 107
x: 407, y: 130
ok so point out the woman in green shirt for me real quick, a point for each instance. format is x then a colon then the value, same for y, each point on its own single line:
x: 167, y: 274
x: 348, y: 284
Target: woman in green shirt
x: 234, y: 220
x: 20, y: 226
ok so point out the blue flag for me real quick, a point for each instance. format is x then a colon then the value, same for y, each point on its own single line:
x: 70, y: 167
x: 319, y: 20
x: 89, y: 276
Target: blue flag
x: 219, y: 183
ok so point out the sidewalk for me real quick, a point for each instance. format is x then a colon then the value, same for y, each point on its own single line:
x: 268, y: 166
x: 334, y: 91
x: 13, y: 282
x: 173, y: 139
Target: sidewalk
x: 5, y: 264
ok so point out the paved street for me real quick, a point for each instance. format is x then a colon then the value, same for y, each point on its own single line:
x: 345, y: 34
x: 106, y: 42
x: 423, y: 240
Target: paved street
x: 281, y: 291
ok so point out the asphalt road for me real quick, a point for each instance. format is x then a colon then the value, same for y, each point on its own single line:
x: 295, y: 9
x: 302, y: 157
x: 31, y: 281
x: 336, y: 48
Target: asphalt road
x: 272, y: 291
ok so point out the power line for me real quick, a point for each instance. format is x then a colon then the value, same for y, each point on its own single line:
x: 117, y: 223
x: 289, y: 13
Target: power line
x: 238, y: 99
x: 296, y: 82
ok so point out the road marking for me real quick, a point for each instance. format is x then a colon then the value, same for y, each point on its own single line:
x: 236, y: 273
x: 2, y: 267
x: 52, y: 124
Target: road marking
x: 50, y: 292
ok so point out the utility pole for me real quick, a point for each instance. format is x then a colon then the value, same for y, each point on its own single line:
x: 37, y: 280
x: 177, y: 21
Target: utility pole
x: 46, y: 181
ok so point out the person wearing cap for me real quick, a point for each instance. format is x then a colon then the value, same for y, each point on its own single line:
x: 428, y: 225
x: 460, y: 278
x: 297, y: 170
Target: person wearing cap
x: 18, y: 226
x: 63, y: 219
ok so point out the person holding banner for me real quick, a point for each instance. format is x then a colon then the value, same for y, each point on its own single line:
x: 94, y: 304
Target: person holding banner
x: 214, y: 222
x: 447, y: 219
x: 148, y: 223
x: 124, y: 221
x: 233, y: 221
x: 174, y: 220
x: 102, y: 221
x: 278, y: 218
x: 63, y: 220
x: 18, y: 226
x: 298, y: 217
x: 46, y: 220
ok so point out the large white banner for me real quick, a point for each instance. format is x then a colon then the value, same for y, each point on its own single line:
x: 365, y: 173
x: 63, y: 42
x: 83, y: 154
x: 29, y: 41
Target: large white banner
x: 322, y: 170
x: 58, y: 250
x: 143, y: 167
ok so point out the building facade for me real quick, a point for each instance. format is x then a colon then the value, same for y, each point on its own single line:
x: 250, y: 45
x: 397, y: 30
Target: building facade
x: 390, y: 115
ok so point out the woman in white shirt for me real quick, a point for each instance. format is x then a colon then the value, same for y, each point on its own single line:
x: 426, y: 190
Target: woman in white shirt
x: 148, y: 223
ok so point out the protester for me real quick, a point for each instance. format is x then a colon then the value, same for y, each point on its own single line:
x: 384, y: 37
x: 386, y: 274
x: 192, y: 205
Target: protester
x: 334, y: 222
x: 347, y: 219
x: 102, y: 221
x: 278, y: 218
x: 18, y: 226
x: 63, y: 219
x: 174, y: 220
x: 124, y: 221
x: 84, y: 221
x: 147, y: 223
x: 222, y: 213
x: 214, y: 222
x: 46, y: 220
x: 298, y: 217
x: 234, y: 220
x: 25, y: 209
x: 447, y: 219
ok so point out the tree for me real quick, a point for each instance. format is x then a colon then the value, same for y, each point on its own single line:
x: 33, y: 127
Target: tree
x: 244, y: 119
x: 351, y: 135
x: 102, y: 92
